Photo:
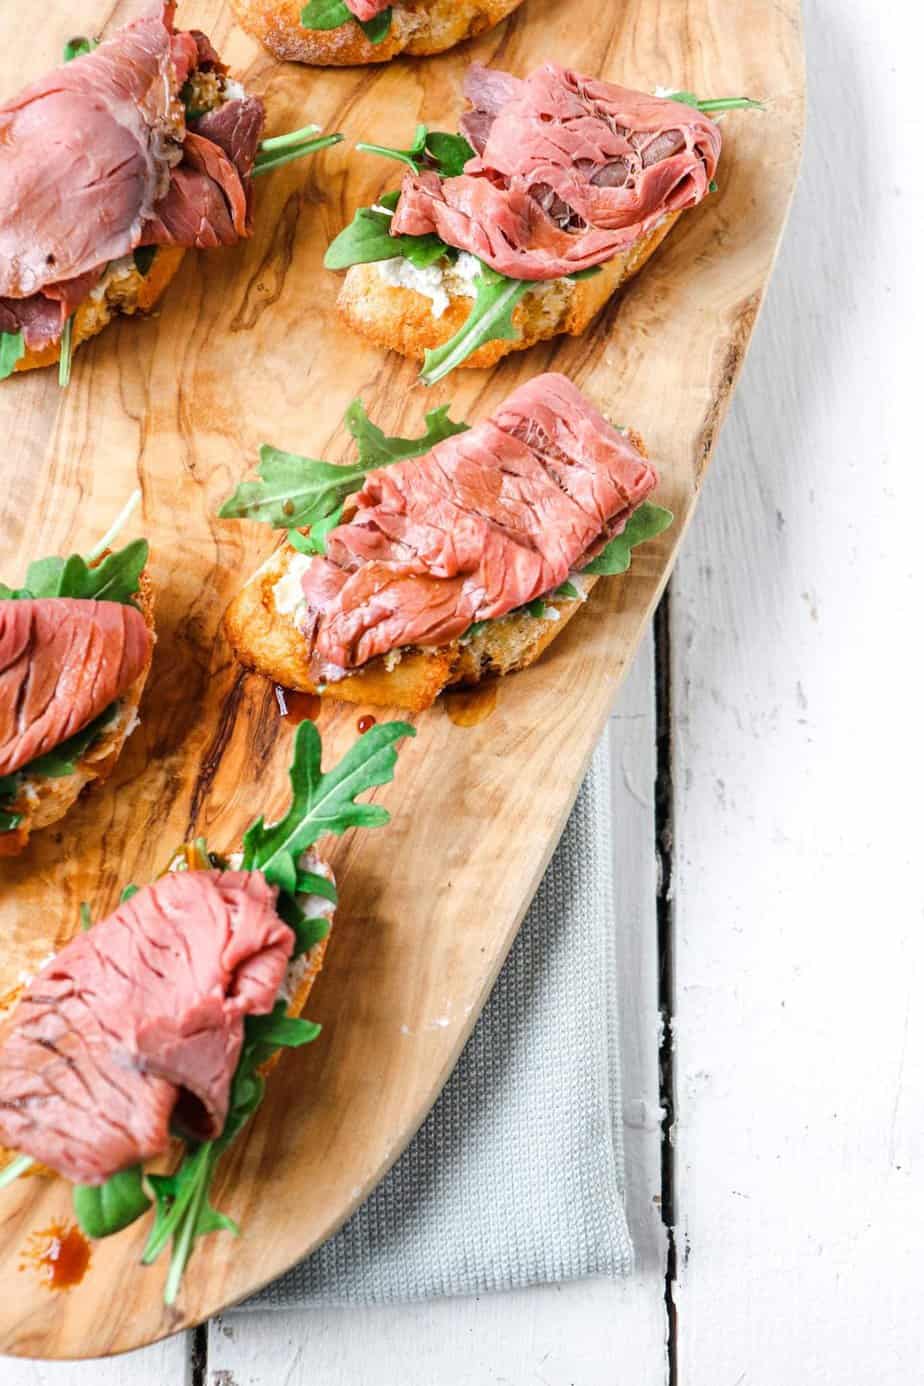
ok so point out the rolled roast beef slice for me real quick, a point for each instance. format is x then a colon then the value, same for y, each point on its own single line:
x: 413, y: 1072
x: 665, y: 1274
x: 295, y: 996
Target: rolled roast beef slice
x: 140, y: 1021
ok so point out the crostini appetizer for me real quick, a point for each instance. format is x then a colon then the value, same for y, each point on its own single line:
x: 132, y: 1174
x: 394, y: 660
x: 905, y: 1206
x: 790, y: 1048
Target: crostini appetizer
x: 440, y: 560
x: 75, y: 649
x: 558, y: 189
x: 111, y: 166
x: 339, y: 33
x: 150, y: 1033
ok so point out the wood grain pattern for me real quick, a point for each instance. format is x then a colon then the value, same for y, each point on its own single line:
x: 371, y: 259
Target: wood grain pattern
x: 245, y: 350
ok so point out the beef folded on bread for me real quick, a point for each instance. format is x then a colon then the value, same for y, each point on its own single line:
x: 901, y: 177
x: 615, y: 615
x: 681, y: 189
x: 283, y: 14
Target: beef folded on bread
x: 75, y: 649
x: 111, y: 167
x: 463, y: 558
x: 558, y: 188
x: 339, y: 33
x: 149, y: 1035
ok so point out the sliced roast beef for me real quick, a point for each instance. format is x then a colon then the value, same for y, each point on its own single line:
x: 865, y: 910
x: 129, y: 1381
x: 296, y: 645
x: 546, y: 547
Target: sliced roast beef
x: 569, y: 171
x: 96, y: 159
x: 487, y: 521
x: 208, y: 203
x: 85, y: 154
x: 139, y: 1022
x: 367, y: 9
x: 63, y: 661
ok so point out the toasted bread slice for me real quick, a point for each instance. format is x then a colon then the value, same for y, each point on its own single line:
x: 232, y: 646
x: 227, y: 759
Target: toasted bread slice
x: 42, y: 801
x: 402, y: 319
x: 418, y: 27
x: 126, y: 291
x: 269, y: 642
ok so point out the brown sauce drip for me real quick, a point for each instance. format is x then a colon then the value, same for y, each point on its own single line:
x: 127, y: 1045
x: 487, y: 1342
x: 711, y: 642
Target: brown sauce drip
x: 297, y: 707
x: 365, y: 724
x: 60, y: 1253
x: 472, y: 705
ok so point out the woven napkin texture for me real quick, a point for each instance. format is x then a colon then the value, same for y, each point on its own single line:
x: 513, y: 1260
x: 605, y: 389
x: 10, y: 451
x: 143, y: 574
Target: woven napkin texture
x: 516, y: 1176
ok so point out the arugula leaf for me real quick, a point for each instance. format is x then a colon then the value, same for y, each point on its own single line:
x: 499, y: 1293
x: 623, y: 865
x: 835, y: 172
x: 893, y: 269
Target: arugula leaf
x: 282, y: 149
x: 376, y: 450
x: 12, y: 350
x: 450, y: 153
x: 315, y: 541
x: 106, y: 1208
x: 115, y: 579
x: 368, y: 239
x: 61, y: 761
x: 294, y: 491
x: 567, y: 592
x: 308, y: 932
x: 645, y: 523
x: 310, y: 883
x: 325, y: 14
x: 330, y: 14
x: 490, y: 320
x: 323, y: 803
x: 722, y: 103
x: 9, y: 821
x: 446, y: 154
x: 78, y: 47
x: 376, y: 29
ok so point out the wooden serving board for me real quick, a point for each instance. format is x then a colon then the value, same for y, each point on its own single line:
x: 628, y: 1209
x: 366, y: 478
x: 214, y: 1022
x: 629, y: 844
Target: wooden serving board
x: 247, y: 349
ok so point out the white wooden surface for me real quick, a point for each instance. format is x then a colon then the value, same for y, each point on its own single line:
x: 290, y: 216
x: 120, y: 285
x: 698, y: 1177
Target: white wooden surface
x: 798, y: 1059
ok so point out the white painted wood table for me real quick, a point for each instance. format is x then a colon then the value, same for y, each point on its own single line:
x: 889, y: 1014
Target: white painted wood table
x: 784, y: 943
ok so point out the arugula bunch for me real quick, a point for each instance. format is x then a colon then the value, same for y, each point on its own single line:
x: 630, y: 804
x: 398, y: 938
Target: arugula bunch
x: 322, y: 802
x: 297, y: 492
x: 330, y: 14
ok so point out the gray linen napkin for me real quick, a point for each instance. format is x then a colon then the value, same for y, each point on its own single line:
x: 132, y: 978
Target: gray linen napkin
x: 516, y: 1176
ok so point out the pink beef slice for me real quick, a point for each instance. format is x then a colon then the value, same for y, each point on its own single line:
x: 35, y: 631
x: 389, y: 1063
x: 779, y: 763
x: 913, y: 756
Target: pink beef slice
x: 63, y: 661
x: 487, y: 521
x: 140, y: 1021
x: 569, y: 171
x: 367, y: 9
x: 96, y: 159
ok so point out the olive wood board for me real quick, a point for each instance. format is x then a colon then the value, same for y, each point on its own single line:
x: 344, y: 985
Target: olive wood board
x: 245, y: 349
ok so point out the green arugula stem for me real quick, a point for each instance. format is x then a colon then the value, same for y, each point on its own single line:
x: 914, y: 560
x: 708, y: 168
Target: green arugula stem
x: 14, y: 1169
x: 293, y: 137
x: 403, y: 156
x: 730, y: 103
x: 283, y: 149
x: 189, y: 1223
x: 115, y: 529
x: 165, y: 1229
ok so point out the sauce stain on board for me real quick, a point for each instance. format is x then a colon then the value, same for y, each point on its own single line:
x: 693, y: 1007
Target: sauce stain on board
x: 297, y: 707
x: 60, y: 1253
